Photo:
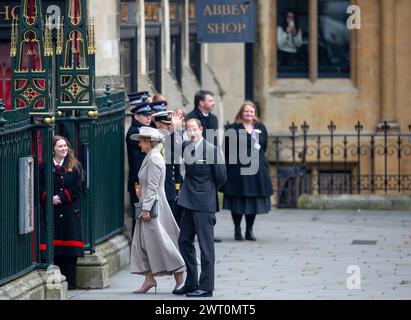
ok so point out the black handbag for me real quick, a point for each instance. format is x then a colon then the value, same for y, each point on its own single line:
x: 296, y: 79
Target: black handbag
x: 138, y: 207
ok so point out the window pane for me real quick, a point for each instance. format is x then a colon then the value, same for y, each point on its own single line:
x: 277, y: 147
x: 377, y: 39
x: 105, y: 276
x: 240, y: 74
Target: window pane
x: 195, y: 56
x: 153, y: 62
x: 125, y: 63
x: 176, y: 58
x: 333, y: 39
x: 292, y: 38
x: 5, y: 74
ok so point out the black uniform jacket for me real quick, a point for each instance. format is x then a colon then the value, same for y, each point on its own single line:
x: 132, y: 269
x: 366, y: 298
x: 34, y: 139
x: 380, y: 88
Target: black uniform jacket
x: 135, y: 155
x: 68, y: 240
x: 256, y: 185
x: 173, y: 178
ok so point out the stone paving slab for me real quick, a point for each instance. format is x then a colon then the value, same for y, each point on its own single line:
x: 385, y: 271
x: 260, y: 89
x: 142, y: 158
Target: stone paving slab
x: 299, y: 255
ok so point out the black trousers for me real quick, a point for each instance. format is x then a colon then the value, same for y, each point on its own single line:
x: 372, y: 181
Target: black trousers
x: 68, y: 268
x: 176, y: 210
x: 201, y: 224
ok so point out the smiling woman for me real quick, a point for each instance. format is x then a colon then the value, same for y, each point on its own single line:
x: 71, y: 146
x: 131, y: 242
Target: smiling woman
x: 67, y: 240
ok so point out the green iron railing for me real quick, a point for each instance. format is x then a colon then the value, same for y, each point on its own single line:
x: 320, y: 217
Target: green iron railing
x: 99, y: 143
x: 108, y: 164
x: 16, y: 251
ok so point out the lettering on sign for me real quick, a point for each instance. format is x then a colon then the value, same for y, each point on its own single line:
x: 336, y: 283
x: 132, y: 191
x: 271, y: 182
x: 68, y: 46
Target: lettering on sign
x: 226, y: 27
x: 8, y: 13
x: 226, y: 21
x: 226, y: 10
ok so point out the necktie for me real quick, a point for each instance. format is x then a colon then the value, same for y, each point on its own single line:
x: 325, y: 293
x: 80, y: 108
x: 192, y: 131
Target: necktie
x: 58, y: 167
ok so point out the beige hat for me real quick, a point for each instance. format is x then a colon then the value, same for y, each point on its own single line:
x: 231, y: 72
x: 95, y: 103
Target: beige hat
x: 148, y: 132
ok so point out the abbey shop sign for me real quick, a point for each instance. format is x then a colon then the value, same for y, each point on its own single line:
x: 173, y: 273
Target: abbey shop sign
x: 226, y: 20
x: 11, y: 9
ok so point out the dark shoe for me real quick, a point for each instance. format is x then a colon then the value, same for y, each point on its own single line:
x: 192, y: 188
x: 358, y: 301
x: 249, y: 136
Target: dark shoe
x: 184, y: 290
x: 218, y: 239
x: 249, y: 235
x: 237, y: 234
x: 199, y: 294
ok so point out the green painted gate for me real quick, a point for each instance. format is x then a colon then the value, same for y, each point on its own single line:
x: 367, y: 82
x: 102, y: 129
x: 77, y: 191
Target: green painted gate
x: 94, y: 126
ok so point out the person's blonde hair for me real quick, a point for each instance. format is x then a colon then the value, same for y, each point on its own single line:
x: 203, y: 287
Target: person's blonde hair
x: 152, y: 143
x: 239, y: 116
x: 72, y: 162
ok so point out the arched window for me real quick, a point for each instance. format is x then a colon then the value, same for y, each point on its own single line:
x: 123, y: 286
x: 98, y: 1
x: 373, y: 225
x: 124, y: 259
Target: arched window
x: 5, y: 74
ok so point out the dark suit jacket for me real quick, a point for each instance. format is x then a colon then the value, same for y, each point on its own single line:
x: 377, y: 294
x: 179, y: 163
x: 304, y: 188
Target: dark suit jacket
x: 210, y: 122
x: 203, y: 178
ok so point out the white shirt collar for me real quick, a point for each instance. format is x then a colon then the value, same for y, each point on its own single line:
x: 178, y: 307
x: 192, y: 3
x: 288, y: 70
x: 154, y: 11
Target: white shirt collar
x: 197, y: 144
x: 59, y: 163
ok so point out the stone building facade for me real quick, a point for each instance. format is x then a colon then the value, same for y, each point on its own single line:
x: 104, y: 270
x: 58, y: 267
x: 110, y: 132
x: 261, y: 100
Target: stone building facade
x: 344, y: 76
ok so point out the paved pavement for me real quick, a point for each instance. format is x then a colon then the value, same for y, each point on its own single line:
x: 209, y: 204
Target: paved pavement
x: 299, y: 255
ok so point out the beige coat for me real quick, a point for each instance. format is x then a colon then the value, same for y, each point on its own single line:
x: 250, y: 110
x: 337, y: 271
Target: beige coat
x: 155, y: 243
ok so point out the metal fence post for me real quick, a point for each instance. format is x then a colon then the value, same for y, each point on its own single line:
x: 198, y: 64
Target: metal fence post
x: 293, y: 129
x: 386, y: 127
x: 331, y: 128
x: 358, y: 128
x: 91, y: 197
x: 49, y: 210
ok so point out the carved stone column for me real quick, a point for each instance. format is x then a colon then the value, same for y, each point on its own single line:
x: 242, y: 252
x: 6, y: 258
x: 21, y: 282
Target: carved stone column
x: 388, y: 99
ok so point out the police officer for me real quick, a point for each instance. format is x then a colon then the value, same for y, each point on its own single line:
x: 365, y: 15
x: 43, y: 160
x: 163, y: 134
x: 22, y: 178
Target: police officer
x: 156, y: 107
x: 173, y: 180
x: 141, y: 116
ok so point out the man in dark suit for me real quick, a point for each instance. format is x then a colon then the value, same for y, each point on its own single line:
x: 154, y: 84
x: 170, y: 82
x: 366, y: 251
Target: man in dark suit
x: 204, y: 103
x: 141, y: 116
x: 205, y: 173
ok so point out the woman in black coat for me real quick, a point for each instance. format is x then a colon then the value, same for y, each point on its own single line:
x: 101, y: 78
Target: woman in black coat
x: 67, y: 174
x: 246, y: 193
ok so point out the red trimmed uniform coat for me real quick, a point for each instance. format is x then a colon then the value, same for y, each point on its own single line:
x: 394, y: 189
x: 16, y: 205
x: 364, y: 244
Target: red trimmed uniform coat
x: 67, y: 220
